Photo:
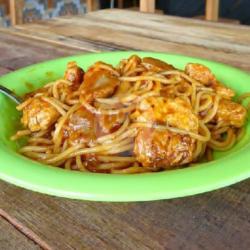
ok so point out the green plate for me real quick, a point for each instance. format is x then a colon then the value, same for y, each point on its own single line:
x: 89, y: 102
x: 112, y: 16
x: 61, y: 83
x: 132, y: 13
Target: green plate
x: 228, y: 168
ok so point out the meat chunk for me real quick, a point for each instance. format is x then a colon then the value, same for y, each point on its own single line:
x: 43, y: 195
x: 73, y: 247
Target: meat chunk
x: 80, y: 128
x: 39, y: 115
x: 200, y: 73
x: 84, y: 127
x: 162, y: 149
x: 74, y: 73
x: 231, y: 114
x: 123, y: 88
x: 174, y: 112
x: 98, y: 83
x: 156, y: 64
x: 109, y: 123
x: 204, y: 75
x: 222, y: 90
x: 168, y: 91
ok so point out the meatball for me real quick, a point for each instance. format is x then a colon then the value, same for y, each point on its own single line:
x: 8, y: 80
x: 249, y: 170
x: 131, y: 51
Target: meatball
x: 98, y: 83
x: 231, y: 114
x: 39, y: 115
x: 162, y: 149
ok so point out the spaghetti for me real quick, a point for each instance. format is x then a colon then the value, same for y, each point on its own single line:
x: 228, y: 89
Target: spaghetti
x: 143, y: 115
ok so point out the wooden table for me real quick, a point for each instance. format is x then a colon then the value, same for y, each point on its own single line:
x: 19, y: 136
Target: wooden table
x: 215, y: 220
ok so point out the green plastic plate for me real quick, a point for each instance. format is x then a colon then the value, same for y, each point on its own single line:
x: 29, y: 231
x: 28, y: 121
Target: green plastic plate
x: 228, y: 168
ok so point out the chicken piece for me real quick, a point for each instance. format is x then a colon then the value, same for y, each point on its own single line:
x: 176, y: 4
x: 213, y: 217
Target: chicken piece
x: 223, y: 91
x: 168, y: 91
x: 39, y: 115
x: 80, y: 128
x: 123, y: 88
x: 204, y: 75
x: 109, y: 123
x: 231, y: 114
x: 200, y: 73
x: 174, y: 90
x: 98, y: 83
x: 84, y: 127
x: 162, y: 149
x: 74, y: 73
x: 174, y: 112
x: 156, y: 64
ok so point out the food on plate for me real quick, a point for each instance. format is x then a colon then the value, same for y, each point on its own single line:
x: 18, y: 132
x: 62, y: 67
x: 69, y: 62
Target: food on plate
x: 141, y: 116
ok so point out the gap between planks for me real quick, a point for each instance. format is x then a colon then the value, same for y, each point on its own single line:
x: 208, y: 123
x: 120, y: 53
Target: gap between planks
x: 24, y: 230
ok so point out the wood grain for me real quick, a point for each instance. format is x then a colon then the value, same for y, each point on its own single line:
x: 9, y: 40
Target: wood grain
x: 16, y: 54
x: 12, y: 239
x: 215, y: 220
x: 219, y: 219
x: 102, y: 30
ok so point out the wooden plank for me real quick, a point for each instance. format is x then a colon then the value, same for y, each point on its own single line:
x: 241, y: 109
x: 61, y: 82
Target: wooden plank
x: 45, y: 35
x: 221, y: 217
x: 175, y: 28
x: 212, y: 10
x: 176, y: 21
x: 199, y: 33
x: 11, y: 238
x: 16, y: 54
x: 102, y: 31
x: 221, y: 19
x: 147, y: 6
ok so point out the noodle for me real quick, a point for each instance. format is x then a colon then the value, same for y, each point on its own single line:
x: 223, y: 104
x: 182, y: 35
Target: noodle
x: 198, y: 137
x: 212, y: 112
x: 115, y: 158
x: 54, y: 104
x: 79, y: 163
x: 20, y: 134
x: 107, y: 112
x: 148, y: 78
x: 128, y: 128
x: 223, y: 145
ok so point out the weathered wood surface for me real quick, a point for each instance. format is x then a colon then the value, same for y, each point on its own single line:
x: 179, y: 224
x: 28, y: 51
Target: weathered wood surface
x: 13, y: 239
x: 102, y: 30
x: 216, y: 220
